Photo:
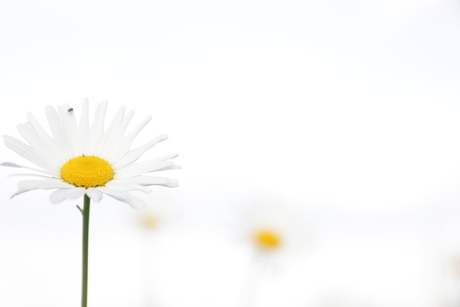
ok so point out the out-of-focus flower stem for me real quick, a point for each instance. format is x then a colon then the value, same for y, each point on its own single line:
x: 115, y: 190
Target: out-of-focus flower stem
x: 256, y: 271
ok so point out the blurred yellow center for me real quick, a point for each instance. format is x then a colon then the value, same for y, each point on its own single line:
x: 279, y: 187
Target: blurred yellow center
x: 268, y: 239
x: 149, y: 221
x: 87, y: 171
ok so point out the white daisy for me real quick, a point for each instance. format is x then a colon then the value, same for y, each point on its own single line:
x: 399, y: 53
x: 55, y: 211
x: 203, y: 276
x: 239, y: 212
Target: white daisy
x: 157, y: 215
x: 79, y: 158
x: 273, y: 231
x: 274, y: 234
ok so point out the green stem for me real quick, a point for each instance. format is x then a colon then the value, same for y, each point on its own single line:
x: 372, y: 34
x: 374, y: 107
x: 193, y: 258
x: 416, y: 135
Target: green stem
x: 84, y: 285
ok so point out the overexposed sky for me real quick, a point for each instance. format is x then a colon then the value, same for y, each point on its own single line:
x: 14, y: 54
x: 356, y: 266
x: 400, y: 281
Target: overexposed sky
x: 347, y: 109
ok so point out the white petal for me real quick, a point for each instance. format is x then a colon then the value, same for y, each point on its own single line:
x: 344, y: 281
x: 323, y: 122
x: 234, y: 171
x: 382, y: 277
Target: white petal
x: 94, y: 194
x: 69, y: 123
x: 126, y: 185
x: 76, y: 193
x: 60, y: 159
x: 133, y: 201
x: 119, y: 146
x: 125, y: 143
x: 97, y: 129
x: 167, y: 157
x: 134, y: 154
x: 126, y: 120
x: 28, y: 185
x: 152, y: 180
x: 58, y: 196
x: 83, y: 127
x: 10, y: 164
x: 58, y: 131
x: 112, y: 134
x: 45, y: 153
x: 62, y: 194
x: 29, y: 153
x: 136, y: 169
x: 31, y: 175
x: 133, y: 134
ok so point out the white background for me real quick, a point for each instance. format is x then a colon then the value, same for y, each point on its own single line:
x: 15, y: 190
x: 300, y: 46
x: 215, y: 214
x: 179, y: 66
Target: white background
x: 343, y: 112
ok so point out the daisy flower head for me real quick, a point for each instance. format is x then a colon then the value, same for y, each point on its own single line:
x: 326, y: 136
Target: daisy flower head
x: 78, y: 157
x: 273, y: 230
x: 156, y: 216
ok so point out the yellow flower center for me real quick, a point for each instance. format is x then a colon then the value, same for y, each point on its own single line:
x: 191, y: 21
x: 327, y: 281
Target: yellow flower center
x: 87, y: 171
x: 149, y: 221
x: 267, y: 239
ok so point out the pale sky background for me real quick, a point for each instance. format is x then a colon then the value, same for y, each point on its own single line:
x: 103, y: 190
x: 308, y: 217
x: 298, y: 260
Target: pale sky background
x: 345, y: 113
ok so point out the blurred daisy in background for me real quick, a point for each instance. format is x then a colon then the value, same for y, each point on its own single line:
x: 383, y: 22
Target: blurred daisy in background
x: 156, y: 216
x: 274, y: 231
x: 450, y: 270
x: 150, y: 223
x: 276, y: 234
